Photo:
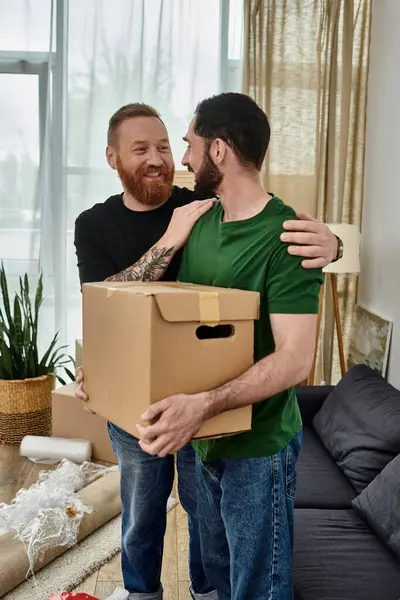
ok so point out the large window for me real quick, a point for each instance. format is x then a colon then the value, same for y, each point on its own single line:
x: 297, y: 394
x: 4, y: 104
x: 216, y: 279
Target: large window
x: 19, y: 165
x: 24, y: 70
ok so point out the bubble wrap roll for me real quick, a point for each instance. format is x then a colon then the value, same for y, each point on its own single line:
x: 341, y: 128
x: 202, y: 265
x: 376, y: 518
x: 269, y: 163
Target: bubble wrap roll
x: 54, y: 449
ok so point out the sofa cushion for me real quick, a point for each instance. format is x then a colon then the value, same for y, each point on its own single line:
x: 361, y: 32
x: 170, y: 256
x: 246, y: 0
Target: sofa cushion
x: 359, y: 424
x: 337, y: 557
x: 320, y: 483
x: 379, y: 505
x: 310, y: 398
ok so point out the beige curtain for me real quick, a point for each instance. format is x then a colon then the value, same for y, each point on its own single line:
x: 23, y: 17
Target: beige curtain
x: 184, y: 179
x: 306, y: 64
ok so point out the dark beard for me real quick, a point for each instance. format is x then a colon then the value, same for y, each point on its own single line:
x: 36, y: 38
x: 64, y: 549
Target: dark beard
x: 208, y: 179
x: 148, y: 193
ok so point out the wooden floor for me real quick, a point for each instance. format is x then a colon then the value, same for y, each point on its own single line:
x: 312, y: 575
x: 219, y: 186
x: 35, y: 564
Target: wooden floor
x: 17, y: 472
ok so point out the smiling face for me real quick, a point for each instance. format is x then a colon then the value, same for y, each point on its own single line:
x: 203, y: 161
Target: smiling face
x: 197, y: 159
x: 141, y: 154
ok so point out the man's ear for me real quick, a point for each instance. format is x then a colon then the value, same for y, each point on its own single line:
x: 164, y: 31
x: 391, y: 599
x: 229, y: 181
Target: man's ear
x: 218, y: 151
x: 111, y: 157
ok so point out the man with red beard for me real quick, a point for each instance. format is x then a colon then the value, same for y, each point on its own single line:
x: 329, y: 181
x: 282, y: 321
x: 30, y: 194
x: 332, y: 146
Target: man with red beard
x: 134, y: 236
x: 138, y: 236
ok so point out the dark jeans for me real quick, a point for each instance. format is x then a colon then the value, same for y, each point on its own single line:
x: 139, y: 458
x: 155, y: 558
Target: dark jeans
x: 146, y: 483
x: 246, y: 512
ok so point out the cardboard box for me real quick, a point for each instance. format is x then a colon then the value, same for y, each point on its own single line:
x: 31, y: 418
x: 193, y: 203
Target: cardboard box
x: 71, y: 420
x: 78, y: 353
x: 144, y: 342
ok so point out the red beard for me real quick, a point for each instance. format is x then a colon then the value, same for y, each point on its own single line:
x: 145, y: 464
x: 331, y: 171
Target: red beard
x: 144, y: 190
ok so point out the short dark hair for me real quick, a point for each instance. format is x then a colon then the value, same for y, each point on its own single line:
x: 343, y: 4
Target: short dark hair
x: 129, y: 111
x: 237, y: 120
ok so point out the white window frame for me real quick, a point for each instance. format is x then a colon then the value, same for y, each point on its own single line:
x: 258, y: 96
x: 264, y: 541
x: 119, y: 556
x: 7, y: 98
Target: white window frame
x: 29, y: 63
x: 230, y: 70
x: 52, y: 143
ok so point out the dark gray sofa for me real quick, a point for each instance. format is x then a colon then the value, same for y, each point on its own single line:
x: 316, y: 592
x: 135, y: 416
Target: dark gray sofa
x: 347, y: 508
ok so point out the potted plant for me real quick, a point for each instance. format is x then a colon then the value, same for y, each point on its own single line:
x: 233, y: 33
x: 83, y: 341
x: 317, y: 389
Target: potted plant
x: 26, y: 380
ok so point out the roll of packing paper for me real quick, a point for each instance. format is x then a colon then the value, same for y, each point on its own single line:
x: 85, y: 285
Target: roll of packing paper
x: 102, y: 495
x: 52, y: 449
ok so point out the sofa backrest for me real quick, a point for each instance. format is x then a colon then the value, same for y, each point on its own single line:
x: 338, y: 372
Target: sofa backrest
x: 359, y: 424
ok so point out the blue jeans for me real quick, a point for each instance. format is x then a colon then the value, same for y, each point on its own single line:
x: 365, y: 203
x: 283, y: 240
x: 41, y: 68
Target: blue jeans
x: 246, y: 512
x: 146, y: 484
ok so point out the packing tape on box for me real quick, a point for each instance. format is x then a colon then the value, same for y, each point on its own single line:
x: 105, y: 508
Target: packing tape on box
x: 209, y: 308
x: 208, y: 302
x: 111, y: 291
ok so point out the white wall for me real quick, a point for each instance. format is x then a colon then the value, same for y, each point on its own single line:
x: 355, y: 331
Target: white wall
x: 380, y: 252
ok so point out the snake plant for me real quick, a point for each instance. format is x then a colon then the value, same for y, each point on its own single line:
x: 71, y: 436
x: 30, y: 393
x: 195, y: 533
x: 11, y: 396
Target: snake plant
x: 19, y: 355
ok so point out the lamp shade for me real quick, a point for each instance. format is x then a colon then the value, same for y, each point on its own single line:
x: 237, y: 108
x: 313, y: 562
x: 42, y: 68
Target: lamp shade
x: 351, y: 238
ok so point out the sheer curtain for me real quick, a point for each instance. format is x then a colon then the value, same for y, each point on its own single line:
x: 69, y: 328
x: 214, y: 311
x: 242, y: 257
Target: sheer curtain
x: 99, y: 55
x: 306, y: 63
x: 27, y: 67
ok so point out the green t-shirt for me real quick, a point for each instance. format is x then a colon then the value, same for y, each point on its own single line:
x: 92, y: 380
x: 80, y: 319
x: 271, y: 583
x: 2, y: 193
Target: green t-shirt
x: 249, y: 255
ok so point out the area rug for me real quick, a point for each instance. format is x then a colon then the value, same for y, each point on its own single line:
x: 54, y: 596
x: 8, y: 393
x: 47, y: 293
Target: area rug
x: 71, y: 568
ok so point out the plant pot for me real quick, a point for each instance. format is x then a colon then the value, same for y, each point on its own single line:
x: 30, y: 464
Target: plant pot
x: 25, y: 408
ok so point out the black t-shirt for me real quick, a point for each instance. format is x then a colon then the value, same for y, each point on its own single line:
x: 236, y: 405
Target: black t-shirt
x: 109, y: 237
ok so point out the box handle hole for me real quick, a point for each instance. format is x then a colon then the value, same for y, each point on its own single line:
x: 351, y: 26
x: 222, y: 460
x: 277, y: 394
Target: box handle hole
x: 205, y: 332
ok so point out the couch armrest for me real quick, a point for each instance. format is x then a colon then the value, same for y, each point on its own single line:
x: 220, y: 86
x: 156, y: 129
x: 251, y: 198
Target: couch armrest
x: 310, y: 399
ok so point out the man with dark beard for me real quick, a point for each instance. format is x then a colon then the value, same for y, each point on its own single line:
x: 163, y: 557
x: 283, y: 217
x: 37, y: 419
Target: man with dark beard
x: 246, y: 482
x: 138, y: 236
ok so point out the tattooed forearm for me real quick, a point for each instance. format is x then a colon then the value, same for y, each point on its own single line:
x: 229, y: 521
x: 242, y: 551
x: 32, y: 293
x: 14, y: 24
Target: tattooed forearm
x: 150, y: 267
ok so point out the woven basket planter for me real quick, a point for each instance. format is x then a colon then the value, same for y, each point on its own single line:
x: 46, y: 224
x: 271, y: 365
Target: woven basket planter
x: 25, y: 408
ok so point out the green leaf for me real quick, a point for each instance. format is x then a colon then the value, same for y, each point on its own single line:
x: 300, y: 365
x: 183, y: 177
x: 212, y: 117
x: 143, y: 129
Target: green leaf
x: 26, y: 303
x: 19, y: 337
x: 27, y: 335
x: 6, y: 361
x: 57, y: 355
x: 5, y: 295
x: 4, y: 325
x: 66, y: 359
x: 49, y: 350
x: 38, y: 297
x: 31, y: 366
x: 26, y: 283
x: 15, y: 344
x: 61, y: 380
x: 70, y: 374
